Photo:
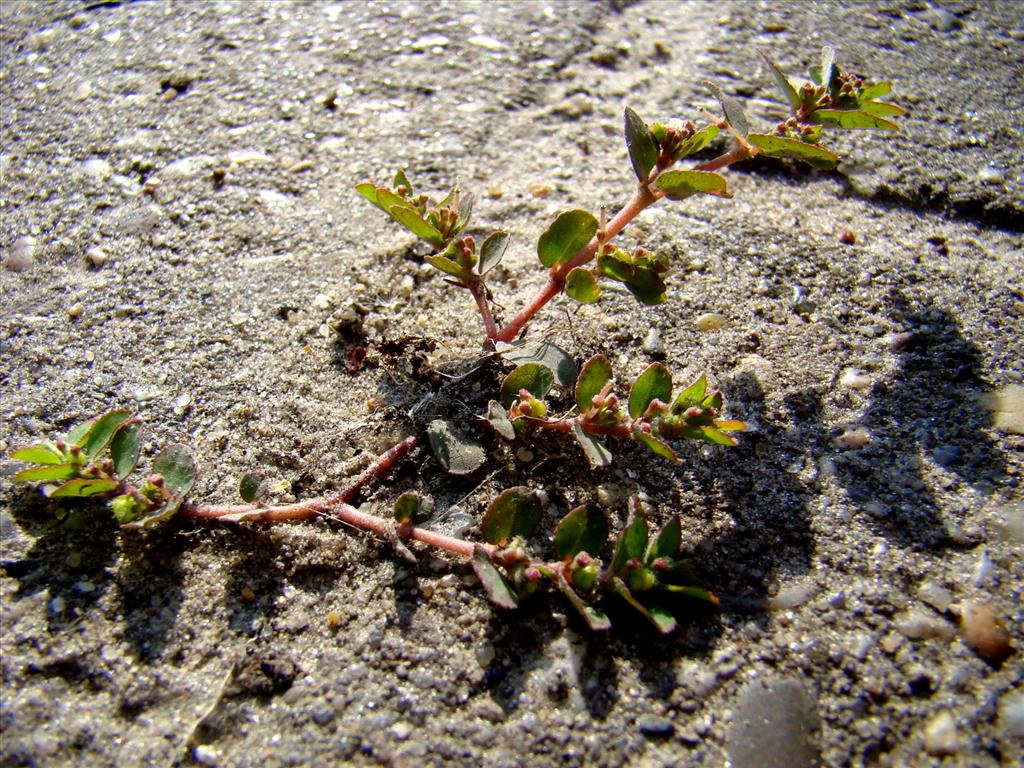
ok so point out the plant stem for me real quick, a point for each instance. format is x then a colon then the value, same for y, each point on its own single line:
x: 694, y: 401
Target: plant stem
x: 305, y: 509
x: 642, y: 198
x: 565, y: 425
x: 479, y: 290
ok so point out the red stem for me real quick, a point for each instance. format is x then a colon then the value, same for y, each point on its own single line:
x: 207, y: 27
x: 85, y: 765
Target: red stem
x: 305, y: 509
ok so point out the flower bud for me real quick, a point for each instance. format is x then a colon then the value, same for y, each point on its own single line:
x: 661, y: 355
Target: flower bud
x: 585, y: 578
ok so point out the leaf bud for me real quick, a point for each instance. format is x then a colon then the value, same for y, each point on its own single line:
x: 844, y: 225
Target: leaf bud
x: 642, y: 580
x: 582, y: 559
x: 156, y: 480
x: 585, y: 578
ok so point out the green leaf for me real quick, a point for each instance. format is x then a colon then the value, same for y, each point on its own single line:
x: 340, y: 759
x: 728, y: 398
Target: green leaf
x: 499, y: 589
x: 660, y: 447
x: 411, y: 219
x: 596, y: 452
x: 618, y: 265
x: 642, y: 146
x: 655, y: 383
x: 881, y: 108
x: 876, y: 90
x: 584, y: 529
x: 827, y: 72
x: 662, y: 620
x: 679, y: 185
x: 492, y: 251
x: 80, y: 487
x: 178, y: 467
x: 594, y: 617
x: 783, y: 82
x: 125, y: 447
x: 731, y: 108
x: 458, y: 454
x: 697, y: 142
x: 547, y: 354
x: 157, y: 516
x: 465, y: 211
x: 77, y: 432
x: 412, y: 508
x: 515, y: 512
x: 535, y: 378
x: 596, y: 372
x: 581, y: 286
x: 41, y: 453
x: 446, y: 265
x: 401, y: 180
x: 712, y: 435
x: 647, y: 287
x: 100, y: 432
x: 497, y: 417
x: 698, y: 593
x: 781, y: 146
x: 47, y: 472
x: 852, y: 118
x: 252, y: 487
x: 632, y: 541
x: 730, y: 425
x: 667, y: 542
x: 692, y: 395
x: 567, y: 236
x: 369, y: 191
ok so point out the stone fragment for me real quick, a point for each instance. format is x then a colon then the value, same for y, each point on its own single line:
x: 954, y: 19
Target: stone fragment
x: 774, y: 726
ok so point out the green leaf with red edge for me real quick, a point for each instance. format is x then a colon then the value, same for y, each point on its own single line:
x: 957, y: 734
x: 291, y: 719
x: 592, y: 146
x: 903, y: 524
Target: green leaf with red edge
x: 783, y: 146
x: 515, y: 512
x: 679, y: 185
x: 45, y: 452
x: 100, y: 432
x: 596, y: 372
x: 692, y: 395
x: 401, y: 180
x: 661, y: 619
x: 698, y: 593
x: 581, y: 286
x: 77, y: 432
x: 125, y: 446
x: 654, y: 444
x: 535, y: 378
x: 655, y: 383
x: 160, y: 515
x: 81, y: 487
x: 642, y: 146
x: 594, y: 449
x: 369, y: 191
x: 498, y: 588
x: 584, y: 529
x: 594, y: 617
x: 387, y: 200
x: 567, y: 235
x: 709, y: 434
x: 492, y: 251
x: 852, y: 119
x: 47, y: 472
x: 412, y: 508
x: 178, y: 467
x: 632, y: 540
x: 446, y: 265
x: 667, y: 542
x: 647, y: 287
x: 411, y: 219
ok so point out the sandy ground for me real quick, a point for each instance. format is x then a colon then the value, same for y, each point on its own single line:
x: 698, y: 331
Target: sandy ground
x: 179, y: 236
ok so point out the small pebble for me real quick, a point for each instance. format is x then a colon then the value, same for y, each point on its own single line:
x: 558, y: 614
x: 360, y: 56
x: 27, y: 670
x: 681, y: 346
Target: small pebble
x: 1011, y: 714
x: 852, y: 439
x: 655, y: 726
x: 948, y: 455
x: 774, y: 726
x: 941, y: 736
x: 710, y: 321
x: 847, y: 237
x: 990, y: 175
x: 21, y: 255
x: 653, y: 345
x: 205, y: 754
x: 430, y: 41
x: 96, y: 167
x: 800, y: 302
x: 854, y: 379
x: 983, y: 633
x: 793, y: 597
x: 524, y: 454
x: 539, y: 189
x: 934, y: 595
x: 96, y: 256
x: 918, y: 625
x: 486, y: 42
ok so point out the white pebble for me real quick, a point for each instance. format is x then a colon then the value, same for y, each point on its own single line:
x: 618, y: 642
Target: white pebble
x: 321, y: 301
x: 430, y: 41
x: 854, y: 379
x: 97, y: 256
x: 990, y: 175
x: 710, y: 321
x: 1011, y: 714
x: 918, y: 625
x: 936, y: 596
x: 405, y: 288
x: 653, y: 345
x: 941, y: 736
x: 852, y: 439
x: 96, y: 167
x: 22, y: 254
x: 82, y: 91
x: 486, y: 41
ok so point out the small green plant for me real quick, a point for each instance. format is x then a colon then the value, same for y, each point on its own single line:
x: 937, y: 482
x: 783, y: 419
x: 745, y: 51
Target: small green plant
x: 579, y: 251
